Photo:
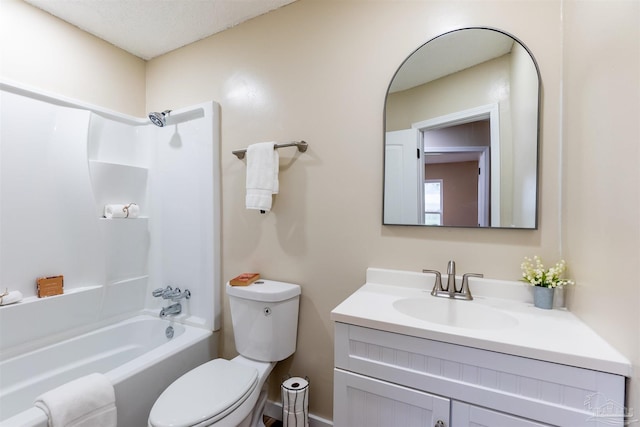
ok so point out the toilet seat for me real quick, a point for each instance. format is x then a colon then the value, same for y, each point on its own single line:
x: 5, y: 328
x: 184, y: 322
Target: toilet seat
x: 204, y: 395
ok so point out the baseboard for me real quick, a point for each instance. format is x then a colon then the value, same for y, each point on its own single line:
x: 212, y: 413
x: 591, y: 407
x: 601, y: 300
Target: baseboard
x: 274, y: 410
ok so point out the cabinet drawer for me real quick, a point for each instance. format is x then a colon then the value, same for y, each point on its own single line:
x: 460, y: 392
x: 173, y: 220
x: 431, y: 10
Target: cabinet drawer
x: 549, y: 392
x: 361, y: 401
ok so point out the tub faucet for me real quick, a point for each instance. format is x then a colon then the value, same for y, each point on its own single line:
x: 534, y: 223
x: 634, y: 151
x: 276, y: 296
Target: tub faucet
x: 177, y: 295
x: 174, y: 295
x: 173, y: 309
x: 160, y: 292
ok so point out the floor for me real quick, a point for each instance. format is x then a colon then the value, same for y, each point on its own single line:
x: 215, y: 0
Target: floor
x: 271, y: 422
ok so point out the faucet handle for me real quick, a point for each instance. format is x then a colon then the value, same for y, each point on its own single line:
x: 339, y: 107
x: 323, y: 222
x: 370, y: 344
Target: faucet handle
x: 161, y: 291
x: 437, y: 286
x: 179, y: 295
x: 465, y: 284
x: 171, y: 293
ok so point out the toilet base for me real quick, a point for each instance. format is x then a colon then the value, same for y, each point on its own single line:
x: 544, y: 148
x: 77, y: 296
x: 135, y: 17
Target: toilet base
x: 254, y: 419
x: 258, y: 411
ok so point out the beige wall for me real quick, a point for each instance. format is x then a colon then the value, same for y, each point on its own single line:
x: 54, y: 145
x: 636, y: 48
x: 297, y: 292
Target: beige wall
x: 43, y: 52
x: 601, y: 185
x: 318, y: 70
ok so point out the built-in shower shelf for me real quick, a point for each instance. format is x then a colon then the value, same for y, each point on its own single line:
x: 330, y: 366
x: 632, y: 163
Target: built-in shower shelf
x: 115, y: 183
x: 117, y: 165
x: 138, y: 218
x: 67, y: 291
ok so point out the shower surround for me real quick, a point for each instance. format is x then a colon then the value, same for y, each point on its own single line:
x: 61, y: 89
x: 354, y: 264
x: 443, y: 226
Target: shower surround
x: 61, y: 161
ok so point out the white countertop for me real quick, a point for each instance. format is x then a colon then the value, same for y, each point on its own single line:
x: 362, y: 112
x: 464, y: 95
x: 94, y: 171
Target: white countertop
x: 550, y: 335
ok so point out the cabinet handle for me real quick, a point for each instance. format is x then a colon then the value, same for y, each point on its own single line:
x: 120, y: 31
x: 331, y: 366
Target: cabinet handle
x: 440, y: 423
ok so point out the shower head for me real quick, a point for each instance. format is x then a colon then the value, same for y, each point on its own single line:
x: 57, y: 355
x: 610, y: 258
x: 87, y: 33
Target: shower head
x: 159, y: 119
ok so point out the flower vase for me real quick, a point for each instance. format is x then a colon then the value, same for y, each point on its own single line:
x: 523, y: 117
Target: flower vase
x: 543, y: 297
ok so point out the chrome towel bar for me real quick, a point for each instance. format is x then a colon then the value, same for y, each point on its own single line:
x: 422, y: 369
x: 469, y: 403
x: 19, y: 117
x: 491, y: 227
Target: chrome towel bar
x: 302, y: 147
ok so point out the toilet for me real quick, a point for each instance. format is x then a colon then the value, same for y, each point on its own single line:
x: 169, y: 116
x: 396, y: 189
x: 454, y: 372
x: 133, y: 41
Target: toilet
x: 231, y: 393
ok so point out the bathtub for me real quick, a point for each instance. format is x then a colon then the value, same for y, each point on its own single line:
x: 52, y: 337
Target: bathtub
x: 136, y: 356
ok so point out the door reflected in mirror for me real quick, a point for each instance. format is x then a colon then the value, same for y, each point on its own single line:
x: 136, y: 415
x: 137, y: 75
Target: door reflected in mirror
x: 461, y: 134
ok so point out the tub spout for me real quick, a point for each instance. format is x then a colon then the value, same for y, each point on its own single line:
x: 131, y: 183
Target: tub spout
x: 173, y: 309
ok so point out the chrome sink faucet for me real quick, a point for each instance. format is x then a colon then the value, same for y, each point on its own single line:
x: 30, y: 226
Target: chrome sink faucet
x: 451, y: 290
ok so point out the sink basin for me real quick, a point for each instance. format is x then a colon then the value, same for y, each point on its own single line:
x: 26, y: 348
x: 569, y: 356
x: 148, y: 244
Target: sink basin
x: 459, y: 314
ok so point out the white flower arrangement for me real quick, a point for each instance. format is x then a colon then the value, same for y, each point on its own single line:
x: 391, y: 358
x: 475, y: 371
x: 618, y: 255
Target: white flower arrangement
x: 537, y: 275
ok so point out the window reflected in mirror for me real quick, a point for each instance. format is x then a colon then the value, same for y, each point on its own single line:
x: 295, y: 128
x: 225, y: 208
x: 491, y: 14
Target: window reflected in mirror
x: 433, y: 202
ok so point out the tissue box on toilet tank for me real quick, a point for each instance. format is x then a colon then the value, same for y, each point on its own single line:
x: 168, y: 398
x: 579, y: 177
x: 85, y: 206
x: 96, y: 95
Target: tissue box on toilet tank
x: 245, y: 279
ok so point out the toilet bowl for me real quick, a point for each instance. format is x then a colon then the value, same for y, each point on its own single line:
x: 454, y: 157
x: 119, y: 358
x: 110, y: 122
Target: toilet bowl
x: 232, y: 393
x: 222, y: 393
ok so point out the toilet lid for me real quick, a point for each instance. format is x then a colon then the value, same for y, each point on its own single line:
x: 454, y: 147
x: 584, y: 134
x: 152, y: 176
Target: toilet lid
x: 206, y: 393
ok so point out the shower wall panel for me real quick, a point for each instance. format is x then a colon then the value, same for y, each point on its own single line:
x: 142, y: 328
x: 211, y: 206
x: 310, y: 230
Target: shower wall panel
x: 47, y: 221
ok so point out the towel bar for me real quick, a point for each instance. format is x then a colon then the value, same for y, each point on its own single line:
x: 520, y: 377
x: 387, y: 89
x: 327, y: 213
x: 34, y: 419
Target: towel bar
x: 302, y: 147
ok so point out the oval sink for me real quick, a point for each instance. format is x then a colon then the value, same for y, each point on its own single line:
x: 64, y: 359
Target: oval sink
x: 460, y: 314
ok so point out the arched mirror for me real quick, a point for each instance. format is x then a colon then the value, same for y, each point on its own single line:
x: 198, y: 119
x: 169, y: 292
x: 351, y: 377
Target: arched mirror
x: 461, y: 134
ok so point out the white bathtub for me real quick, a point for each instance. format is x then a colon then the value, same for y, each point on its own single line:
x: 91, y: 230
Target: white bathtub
x: 134, y: 354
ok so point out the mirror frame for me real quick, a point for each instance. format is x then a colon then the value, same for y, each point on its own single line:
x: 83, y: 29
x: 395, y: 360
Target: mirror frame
x: 538, y: 131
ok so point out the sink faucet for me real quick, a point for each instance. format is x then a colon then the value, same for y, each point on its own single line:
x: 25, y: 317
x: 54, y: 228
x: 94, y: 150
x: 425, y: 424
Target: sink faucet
x: 451, y: 290
x: 451, y: 279
x: 173, y: 309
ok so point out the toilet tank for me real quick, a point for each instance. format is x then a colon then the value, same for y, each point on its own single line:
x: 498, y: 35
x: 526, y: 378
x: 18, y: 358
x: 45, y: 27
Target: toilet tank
x: 265, y: 319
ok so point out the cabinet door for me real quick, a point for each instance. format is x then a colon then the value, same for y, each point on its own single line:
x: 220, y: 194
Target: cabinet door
x: 465, y: 415
x: 361, y: 401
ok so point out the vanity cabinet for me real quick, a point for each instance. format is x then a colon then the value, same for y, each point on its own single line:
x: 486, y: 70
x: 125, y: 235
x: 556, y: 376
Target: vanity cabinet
x: 388, y: 379
x: 470, y: 415
x: 362, y: 401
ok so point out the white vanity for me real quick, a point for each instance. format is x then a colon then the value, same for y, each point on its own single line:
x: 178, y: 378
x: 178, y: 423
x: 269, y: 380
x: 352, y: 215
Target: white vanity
x: 404, y: 358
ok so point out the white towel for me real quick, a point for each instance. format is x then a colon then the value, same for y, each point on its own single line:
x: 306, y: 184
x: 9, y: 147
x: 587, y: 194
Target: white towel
x: 7, y: 298
x: 130, y: 210
x: 86, y: 402
x: 262, y: 175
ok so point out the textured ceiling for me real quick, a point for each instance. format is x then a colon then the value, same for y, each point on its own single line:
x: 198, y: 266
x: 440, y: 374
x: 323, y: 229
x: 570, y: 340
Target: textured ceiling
x: 149, y: 28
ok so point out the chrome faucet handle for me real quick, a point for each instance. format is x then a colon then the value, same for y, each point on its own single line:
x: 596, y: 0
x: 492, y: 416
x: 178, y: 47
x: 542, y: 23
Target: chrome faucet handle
x: 160, y: 291
x: 437, y: 286
x: 171, y: 293
x: 465, y: 284
x: 179, y: 295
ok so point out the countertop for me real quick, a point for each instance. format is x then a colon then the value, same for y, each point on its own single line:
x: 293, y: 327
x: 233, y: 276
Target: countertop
x: 550, y: 335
